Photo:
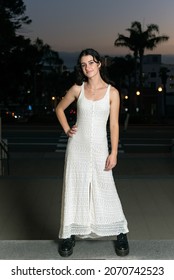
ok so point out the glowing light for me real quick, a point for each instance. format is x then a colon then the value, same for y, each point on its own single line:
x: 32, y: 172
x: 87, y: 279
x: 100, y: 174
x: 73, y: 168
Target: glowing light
x: 160, y: 89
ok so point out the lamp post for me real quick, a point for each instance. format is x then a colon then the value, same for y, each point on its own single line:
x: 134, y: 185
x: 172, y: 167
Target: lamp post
x: 138, y: 93
x: 53, y: 98
x: 161, y: 106
x: 126, y: 108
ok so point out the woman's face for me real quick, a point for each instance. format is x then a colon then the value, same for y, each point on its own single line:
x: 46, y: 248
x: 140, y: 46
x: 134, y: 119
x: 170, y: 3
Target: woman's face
x: 89, y: 67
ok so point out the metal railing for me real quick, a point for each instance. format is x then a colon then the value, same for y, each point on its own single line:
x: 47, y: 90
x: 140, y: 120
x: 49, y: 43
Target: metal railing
x: 4, y: 158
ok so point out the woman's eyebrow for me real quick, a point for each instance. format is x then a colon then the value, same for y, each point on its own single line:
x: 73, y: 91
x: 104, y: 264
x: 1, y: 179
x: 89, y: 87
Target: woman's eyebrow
x: 91, y: 60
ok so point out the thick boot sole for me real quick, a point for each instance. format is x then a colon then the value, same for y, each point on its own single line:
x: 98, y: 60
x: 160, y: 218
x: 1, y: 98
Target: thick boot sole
x: 122, y: 253
x: 66, y: 253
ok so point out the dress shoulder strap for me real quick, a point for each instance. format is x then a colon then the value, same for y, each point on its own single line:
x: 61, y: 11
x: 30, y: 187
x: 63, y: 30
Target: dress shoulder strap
x: 108, y: 90
x: 81, y: 92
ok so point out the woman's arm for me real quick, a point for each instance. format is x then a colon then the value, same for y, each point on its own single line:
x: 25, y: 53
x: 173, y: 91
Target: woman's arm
x: 70, y: 97
x: 114, y: 128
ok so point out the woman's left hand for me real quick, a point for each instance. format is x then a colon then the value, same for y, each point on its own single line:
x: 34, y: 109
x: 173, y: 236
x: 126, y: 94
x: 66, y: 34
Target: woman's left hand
x: 72, y: 131
x: 111, y: 162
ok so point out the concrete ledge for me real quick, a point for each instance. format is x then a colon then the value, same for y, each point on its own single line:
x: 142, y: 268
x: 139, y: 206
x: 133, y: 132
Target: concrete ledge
x: 85, y: 249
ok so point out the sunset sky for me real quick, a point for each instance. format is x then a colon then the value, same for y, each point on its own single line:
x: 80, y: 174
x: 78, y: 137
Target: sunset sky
x: 72, y: 25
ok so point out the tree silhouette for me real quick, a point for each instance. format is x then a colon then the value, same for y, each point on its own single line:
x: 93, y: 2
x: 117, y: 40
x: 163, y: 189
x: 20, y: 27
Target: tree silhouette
x: 139, y: 40
x: 12, y: 17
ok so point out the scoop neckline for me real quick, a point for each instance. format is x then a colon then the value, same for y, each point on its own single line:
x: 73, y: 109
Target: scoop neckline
x: 96, y: 99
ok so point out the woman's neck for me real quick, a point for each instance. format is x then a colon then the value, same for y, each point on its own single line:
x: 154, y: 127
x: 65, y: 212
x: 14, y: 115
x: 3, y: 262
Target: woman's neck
x: 95, y: 83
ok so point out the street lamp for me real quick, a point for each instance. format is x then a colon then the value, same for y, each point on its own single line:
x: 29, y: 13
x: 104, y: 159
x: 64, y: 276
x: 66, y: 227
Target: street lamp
x: 161, y: 106
x: 160, y: 89
x: 126, y: 97
x: 138, y: 93
x: 53, y: 98
x: 138, y: 101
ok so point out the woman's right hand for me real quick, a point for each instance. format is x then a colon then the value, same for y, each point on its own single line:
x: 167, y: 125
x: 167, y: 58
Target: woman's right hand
x: 72, y: 131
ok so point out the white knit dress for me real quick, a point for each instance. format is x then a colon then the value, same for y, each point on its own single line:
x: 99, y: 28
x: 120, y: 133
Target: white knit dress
x: 90, y: 203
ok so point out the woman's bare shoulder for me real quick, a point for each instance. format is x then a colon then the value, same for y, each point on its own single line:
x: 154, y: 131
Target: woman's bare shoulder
x: 75, y: 90
x: 114, y: 93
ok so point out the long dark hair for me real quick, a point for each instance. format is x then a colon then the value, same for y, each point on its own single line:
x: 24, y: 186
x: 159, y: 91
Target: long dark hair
x: 80, y: 77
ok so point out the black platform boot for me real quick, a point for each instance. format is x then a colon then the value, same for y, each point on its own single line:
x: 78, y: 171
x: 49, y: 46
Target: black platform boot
x: 66, y: 246
x: 121, y: 245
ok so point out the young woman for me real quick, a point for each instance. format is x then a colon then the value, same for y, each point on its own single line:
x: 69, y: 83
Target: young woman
x: 90, y: 204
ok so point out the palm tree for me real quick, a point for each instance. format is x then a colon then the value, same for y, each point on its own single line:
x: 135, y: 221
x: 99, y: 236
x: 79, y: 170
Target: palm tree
x: 129, y: 42
x: 139, y: 40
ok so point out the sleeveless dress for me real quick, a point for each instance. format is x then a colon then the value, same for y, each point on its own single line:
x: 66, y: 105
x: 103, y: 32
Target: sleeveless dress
x: 90, y: 203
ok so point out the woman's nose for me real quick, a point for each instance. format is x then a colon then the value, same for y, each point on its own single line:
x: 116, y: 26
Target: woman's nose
x: 87, y: 66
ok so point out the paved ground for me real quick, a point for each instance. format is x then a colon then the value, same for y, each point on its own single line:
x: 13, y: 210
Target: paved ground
x: 30, y: 207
